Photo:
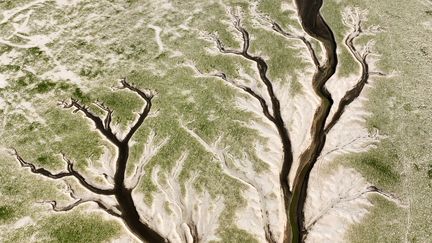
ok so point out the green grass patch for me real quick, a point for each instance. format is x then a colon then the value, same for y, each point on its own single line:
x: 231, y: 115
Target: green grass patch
x: 72, y: 228
x: 379, y: 166
x: 6, y: 213
x: 388, y: 220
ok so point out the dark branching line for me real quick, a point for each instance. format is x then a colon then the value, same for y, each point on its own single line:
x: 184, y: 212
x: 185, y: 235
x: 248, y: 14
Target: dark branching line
x: 104, y: 126
x: 368, y: 190
x: 71, y: 172
x: 252, y: 93
x: 354, y: 92
x: 193, y: 230
x: 101, y: 126
x: 262, y: 102
x: 268, y: 232
x: 124, y: 207
x: 261, y: 66
x: 143, y: 115
x: 314, y: 25
x: 80, y: 201
x: 275, y: 116
x: 102, y: 205
x: 276, y: 27
x: 108, y: 117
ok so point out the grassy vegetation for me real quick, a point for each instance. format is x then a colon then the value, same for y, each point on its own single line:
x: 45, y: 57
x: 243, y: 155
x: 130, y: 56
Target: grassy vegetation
x: 6, y: 213
x: 135, y: 55
x: 64, y: 132
x: 332, y: 13
x: 379, y: 166
x: 20, y: 191
x: 283, y: 60
x: 399, y: 111
x: 236, y: 235
x: 71, y: 228
x: 400, y: 164
x: 79, y: 228
x: 388, y: 232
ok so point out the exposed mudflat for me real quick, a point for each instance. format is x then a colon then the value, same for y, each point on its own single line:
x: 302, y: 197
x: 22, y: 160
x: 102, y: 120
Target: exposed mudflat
x: 266, y: 121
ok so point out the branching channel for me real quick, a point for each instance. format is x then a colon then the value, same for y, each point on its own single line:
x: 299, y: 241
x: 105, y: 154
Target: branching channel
x: 117, y: 199
x: 271, y: 112
x: 124, y: 206
x: 315, y: 26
